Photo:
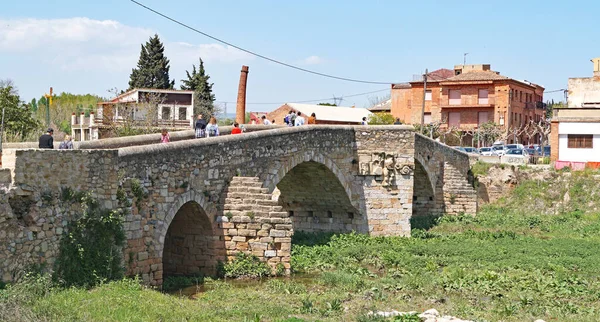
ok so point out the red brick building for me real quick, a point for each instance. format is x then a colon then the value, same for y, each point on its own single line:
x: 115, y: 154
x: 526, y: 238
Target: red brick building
x: 468, y: 97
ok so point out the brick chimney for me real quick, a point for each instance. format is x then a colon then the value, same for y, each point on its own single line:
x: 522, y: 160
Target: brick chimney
x: 240, y: 111
x: 596, y: 62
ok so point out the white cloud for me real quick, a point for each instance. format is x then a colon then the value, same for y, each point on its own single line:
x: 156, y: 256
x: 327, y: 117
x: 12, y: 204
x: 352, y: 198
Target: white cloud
x: 313, y: 60
x: 87, y: 44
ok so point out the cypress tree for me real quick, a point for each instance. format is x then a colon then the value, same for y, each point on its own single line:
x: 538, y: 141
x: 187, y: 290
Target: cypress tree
x: 197, y: 81
x: 152, y: 68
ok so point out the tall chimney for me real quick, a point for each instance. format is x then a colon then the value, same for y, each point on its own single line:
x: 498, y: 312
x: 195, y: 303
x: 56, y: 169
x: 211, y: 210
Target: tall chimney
x: 240, y: 111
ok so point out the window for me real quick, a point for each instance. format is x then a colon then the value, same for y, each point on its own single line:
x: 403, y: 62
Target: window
x: 182, y: 113
x: 427, y: 118
x: 483, y: 96
x: 428, y: 95
x: 166, y: 113
x: 482, y: 117
x: 454, y: 119
x: 454, y: 97
x: 580, y: 141
x: 520, y: 96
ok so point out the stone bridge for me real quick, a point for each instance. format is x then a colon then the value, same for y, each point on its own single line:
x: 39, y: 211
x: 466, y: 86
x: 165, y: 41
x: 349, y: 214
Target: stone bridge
x: 195, y: 203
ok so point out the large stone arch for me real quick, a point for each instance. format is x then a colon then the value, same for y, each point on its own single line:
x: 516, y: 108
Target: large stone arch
x: 317, y: 194
x: 280, y: 168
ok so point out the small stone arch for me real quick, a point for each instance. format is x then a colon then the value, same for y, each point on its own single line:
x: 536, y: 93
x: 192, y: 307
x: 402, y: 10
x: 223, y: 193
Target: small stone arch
x: 163, y: 226
x: 428, y: 163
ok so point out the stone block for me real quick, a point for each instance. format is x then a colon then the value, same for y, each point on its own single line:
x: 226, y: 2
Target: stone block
x: 277, y: 233
x: 142, y: 256
x: 247, y: 232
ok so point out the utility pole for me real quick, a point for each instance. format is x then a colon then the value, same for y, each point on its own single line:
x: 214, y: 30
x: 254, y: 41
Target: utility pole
x: 424, y: 95
x: 48, y: 103
x: 2, y: 132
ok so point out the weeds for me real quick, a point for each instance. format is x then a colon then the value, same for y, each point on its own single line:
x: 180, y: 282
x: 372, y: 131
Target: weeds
x: 245, y: 265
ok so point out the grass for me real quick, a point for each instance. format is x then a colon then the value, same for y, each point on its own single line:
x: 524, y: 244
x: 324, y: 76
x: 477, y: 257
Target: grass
x: 532, y: 255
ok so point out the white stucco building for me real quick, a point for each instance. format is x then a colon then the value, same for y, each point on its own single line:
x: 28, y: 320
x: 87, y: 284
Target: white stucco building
x: 173, y: 108
x: 576, y: 129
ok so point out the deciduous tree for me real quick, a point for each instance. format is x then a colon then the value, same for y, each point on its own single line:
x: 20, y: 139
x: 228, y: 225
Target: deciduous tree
x: 19, y: 123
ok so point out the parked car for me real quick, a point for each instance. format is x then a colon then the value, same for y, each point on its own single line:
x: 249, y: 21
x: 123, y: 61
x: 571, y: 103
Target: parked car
x: 546, y: 152
x: 513, y: 146
x: 487, y: 151
x: 498, y: 150
x: 532, y: 152
x: 518, y: 156
x: 459, y: 148
x: 470, y: 150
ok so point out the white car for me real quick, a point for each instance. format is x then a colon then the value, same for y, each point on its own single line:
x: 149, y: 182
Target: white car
x: 487, y: 151
x: 498, y: 150
x: 514, y: 146
x: 516, y: 156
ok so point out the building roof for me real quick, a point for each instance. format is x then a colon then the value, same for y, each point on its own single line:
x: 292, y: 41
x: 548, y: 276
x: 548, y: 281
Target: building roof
x: 477, y: 76
x: 332, y: 113
x: 401, y: 85
x: 439, y: 75
x: 383, y: 106
x: 153, y: 90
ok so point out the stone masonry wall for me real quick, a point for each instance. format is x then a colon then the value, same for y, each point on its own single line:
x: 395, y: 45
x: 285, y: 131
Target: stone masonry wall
x: 449, y: 176
x: 33, y: 215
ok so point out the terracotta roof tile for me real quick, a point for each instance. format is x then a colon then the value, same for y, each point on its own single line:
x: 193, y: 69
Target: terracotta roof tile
x: 476, y: 76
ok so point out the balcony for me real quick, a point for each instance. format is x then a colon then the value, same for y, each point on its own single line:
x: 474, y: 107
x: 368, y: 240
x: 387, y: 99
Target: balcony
x: 467, y: 101
x: 538, y: 104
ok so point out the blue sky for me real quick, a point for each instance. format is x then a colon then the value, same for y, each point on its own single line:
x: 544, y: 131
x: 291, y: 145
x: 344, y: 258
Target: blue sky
x: 91, y: 46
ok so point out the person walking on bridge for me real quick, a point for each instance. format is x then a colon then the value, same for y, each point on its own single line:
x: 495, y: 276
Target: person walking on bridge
x: 212, y: 129
x: 299, y: 120
x: 67, y: 144
x: 46, y: 141
x: 165, y: 137
x: 236, y: 128
x: 265, y: 121
x: 200, y: 127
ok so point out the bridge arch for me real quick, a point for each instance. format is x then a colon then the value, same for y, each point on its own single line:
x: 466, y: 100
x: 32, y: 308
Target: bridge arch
x: 316, y: 194
x: 280, y: 169
x: 189, y: 241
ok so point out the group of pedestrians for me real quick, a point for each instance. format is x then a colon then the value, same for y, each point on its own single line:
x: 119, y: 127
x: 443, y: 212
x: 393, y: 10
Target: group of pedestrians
x: 296, y: 119
x: 46, y: 141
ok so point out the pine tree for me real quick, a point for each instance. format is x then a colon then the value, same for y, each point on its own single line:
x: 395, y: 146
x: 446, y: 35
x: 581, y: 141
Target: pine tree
x: 152, y: 68
x: 197, y: 81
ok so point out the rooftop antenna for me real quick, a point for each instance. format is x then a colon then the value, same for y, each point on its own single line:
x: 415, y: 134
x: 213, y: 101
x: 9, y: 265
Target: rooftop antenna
x: 465, y: 58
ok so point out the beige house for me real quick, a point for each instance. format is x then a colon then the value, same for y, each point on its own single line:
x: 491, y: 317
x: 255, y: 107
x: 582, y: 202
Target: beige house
x: 168, y: 108
x: 576, y: 129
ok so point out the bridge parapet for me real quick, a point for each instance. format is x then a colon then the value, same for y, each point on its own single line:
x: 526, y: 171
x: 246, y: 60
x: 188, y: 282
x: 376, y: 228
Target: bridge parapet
x: 443, y: 180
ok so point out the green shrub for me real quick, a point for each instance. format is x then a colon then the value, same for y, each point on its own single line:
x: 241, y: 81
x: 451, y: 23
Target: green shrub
x: 480, y: 168
x: 90, y: 250
x: 245, y: 265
